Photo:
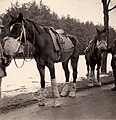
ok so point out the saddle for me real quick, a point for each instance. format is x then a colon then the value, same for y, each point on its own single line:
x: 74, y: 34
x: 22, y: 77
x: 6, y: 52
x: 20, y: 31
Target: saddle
x: 87, y: 48
x: 60, y: 40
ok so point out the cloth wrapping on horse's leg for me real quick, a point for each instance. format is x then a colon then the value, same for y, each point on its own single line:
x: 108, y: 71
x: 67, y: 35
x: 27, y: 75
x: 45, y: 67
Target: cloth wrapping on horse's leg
x: 65, y: 90
x: 72, y: 92
x: 42, y: 97
x: 91, y: 79
x: 98, y: 82
x: 55, y: 92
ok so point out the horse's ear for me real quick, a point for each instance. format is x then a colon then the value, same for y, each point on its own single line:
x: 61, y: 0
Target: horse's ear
x: 12, y: 17
x: 97, y: 30
x: 104, y: 30
x: 20, y: 18
x: 20, y: 15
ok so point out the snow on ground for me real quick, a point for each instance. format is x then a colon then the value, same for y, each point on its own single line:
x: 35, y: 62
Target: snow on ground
x: 27, y: 79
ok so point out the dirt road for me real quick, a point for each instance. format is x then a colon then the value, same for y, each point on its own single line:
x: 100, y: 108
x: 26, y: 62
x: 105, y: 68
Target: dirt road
x: 96, y: 103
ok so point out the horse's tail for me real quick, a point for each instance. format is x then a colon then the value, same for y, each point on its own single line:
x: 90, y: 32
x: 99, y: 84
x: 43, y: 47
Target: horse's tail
x: 77, y: 50
x: 76, y: 43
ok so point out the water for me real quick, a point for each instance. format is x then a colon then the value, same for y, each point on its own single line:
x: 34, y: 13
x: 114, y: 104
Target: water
x: 27, y: 78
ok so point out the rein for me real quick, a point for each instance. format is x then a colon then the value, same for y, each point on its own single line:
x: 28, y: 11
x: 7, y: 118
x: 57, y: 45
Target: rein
x: 25, y: 41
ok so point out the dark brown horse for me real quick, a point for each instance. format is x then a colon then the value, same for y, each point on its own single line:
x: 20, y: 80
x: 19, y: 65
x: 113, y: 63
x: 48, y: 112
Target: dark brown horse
x: 93, y: 57
x: 46, y: 54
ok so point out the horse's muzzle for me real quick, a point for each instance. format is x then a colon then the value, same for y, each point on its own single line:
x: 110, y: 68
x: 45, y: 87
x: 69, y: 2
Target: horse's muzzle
x: 11, y: 45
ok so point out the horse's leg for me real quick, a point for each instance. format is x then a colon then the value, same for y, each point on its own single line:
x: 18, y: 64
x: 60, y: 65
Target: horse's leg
x: 74, y: 62
x: 98, y: 78
x: 55, y: 91
x: 0, y: 86
x: 91, y: 76
x: 114, y: 74
x: 65, y: 89
x: 93, y: 72
x: 98, y: 74
x: 42, y: 95
x: 87, y: 63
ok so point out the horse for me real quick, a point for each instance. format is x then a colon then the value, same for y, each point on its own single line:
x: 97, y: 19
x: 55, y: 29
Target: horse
x: 93, y: 57
x: 46, y: 53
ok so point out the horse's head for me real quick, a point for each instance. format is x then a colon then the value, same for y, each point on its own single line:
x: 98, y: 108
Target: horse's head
x: 17, y: 35
x: 101, y: 44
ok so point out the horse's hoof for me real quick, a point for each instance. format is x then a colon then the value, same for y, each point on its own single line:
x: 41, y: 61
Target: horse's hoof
x: 41, y: 97
x: 90, y: 84
x: 41, y: 104
x: 72, y: 94
x: 113, y: 89
x: 87, y: 74
x: 63, y: 94
x: 56, y: 103
x: 65, y: 90
x: 98, y: 84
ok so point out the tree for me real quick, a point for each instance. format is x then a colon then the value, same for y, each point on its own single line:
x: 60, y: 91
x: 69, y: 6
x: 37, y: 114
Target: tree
x: 43, y: 16
x: 106, y: 10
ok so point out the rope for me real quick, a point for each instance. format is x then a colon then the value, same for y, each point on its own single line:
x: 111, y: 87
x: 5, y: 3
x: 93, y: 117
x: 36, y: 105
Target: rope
x: 17, y: 64
x: 29, y: 47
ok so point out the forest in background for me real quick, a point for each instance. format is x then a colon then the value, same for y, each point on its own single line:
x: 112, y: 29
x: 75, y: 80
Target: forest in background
x: 41, y: 14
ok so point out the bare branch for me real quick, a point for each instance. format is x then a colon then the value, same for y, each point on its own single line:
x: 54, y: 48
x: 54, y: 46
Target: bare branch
x: 108, y: 2
x: 112, y: 8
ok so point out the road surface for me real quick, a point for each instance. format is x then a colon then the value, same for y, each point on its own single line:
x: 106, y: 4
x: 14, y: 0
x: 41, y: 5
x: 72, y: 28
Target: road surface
x: 97, y: 103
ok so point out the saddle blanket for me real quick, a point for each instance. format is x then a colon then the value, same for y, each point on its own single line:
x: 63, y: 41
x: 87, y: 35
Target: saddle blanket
x: 61, y: 42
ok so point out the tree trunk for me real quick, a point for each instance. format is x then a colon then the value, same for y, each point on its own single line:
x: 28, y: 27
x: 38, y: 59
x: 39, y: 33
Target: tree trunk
x: 106, y: 24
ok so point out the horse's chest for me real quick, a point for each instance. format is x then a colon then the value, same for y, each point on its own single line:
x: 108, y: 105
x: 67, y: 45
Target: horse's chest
x: 114, y: 54
x: 95, y: 58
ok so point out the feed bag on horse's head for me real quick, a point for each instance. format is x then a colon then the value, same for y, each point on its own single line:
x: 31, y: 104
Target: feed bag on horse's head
x: 11, y: 45
x: 102, y: 45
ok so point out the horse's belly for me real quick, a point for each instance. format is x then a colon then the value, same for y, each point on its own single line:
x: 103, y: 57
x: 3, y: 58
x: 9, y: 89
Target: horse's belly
x: 65, y: 54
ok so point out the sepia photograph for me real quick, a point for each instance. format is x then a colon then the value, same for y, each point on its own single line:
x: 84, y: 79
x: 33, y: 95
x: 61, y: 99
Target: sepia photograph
x: 57, y: 59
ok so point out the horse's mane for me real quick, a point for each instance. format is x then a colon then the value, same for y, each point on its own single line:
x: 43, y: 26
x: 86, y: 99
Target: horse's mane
x: 92, y: 45
x: 36, y: 25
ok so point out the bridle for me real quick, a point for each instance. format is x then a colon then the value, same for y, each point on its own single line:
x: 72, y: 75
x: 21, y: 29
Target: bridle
x: 23, y: 33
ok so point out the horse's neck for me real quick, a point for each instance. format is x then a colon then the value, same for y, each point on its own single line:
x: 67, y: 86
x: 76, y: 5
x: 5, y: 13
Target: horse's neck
x: 95, y: 40
x: 92, y: 47
x: 34, y: 31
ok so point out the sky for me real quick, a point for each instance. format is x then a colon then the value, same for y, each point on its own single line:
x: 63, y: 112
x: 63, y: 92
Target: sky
x: 84, y: 10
